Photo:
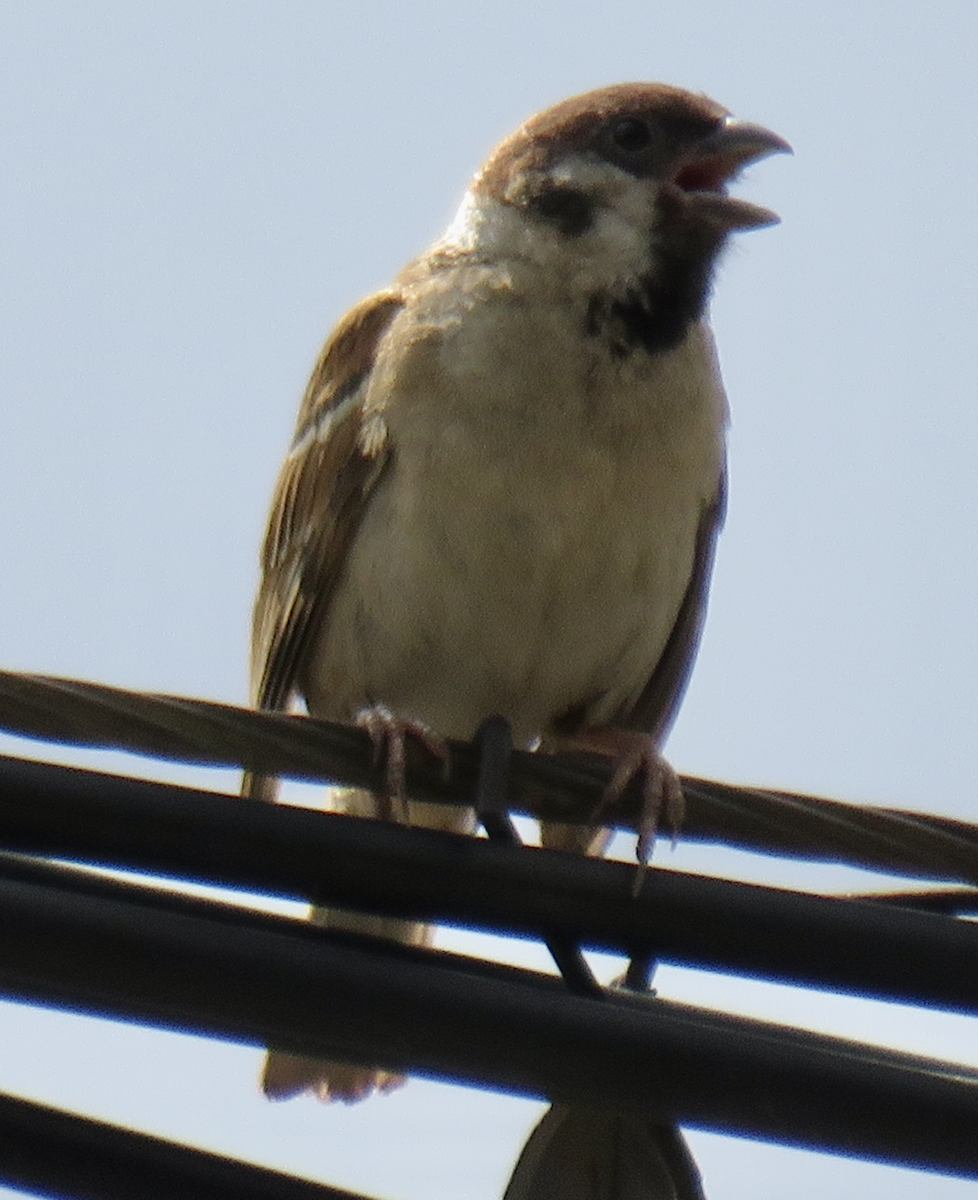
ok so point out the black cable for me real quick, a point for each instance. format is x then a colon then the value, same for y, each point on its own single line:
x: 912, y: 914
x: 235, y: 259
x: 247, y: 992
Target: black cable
x: 48, y: 1152
x: 873, y: 949
x: 114, y: 950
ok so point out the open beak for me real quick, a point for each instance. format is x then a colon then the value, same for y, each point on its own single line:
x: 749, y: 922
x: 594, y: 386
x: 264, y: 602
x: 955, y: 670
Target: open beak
x: 710, y: 163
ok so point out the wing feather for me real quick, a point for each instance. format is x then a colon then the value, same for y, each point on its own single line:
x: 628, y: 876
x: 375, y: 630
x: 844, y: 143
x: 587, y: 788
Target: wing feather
x: 318, y: 502
x: 657, y: 706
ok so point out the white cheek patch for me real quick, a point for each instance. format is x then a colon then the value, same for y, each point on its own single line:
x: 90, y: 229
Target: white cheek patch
x: 611, y: 253
x: 591, y: 177
x: 615, y: 251
x: 490, y: 230
x: 462, y: 234
x: 617, y: 247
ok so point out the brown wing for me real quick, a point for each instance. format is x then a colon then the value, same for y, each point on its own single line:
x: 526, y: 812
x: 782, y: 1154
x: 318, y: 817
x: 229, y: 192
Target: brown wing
x: 656, y: 708
x: 318, y: 502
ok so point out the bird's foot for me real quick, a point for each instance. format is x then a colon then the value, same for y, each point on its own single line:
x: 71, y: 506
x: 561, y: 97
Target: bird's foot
x: 389, y: 733
x: 635, y: 755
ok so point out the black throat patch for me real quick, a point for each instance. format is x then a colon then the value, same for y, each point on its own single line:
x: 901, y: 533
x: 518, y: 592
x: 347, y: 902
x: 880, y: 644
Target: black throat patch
x: 654, y: 313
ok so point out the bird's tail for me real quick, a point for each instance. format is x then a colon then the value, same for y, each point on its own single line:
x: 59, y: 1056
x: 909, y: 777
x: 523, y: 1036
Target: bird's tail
x: 286, y: 1075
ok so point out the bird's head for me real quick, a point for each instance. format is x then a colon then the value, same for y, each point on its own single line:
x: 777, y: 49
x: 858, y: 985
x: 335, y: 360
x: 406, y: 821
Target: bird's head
x: 621, y: 190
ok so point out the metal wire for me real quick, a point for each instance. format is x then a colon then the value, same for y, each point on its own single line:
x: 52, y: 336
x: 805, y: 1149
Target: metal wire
x: 72, y: 940
x: 760, y: 820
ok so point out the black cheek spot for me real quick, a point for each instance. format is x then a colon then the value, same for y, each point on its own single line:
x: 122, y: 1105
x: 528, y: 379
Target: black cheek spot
x: 569, y: 209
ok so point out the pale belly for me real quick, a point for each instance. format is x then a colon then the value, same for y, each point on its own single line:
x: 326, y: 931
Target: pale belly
x: 509, y: 588
x: 531, y: 542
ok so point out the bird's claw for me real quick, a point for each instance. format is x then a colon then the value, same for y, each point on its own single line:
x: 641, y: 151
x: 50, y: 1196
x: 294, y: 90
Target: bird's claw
x: 389, y: 732
x: 635, y: 755
x: 662, y: 793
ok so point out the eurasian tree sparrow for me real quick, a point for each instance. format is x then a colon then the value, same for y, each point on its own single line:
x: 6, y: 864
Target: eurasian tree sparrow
x: 507, y: 476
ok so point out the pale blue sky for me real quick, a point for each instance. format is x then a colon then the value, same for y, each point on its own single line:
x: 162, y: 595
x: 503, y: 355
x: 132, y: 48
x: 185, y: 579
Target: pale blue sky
x: 192, y: 193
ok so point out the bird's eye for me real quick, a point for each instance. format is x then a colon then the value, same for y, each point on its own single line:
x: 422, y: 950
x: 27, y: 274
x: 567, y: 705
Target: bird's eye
x: 631, y: 134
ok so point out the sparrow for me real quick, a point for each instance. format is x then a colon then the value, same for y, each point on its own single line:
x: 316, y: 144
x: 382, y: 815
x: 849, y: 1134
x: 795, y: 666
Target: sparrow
x: 508, y: 473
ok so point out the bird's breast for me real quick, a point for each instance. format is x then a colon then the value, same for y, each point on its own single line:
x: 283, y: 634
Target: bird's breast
x: 531, y: 542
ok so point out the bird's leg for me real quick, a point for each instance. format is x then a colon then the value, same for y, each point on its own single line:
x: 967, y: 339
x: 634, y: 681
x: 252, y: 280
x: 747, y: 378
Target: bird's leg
x: 495, y: 741
x: 389, y: 733
x: 494, y: 738
x: 635, y: 754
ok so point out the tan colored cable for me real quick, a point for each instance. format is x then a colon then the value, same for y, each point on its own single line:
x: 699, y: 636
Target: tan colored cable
x: 201, y: 731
